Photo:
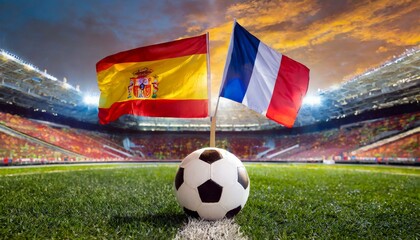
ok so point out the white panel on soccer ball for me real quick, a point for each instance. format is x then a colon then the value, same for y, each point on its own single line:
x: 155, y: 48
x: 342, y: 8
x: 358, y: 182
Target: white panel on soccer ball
x: 232, y: 158
x: 188, y: 197
x: 211, y: 211
x: 246, y: 195
x: 224, y: 172
x: 196, y: 173
x: 233, y: 196
x: 191, y: 157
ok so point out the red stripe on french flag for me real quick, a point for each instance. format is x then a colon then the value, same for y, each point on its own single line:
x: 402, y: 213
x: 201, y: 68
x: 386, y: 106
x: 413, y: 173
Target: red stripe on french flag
x: 290, y: 89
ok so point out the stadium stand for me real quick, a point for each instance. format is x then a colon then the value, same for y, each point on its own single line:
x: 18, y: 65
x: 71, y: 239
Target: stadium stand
x: 333, y: 143
x: 371, y: 118
x: 344, y: 143
x: 407, y: 147
x: 19, y: 151
x: 81, y: 144
x: 340, y: 142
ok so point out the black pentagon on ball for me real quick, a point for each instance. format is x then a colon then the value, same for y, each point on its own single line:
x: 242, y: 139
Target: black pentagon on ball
x: 243, y: 177
x: 233, y: 212
x: 210, y: 191
x: 210, y: 156
x: 179, y: 178
x: 191, y: 213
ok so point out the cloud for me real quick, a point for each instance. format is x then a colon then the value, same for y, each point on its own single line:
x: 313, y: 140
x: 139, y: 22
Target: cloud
x: 333, y: 38
x: 336, y: 39
x: 381, y: 49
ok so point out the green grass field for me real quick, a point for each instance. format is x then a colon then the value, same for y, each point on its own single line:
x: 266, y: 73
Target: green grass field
x: 287, y: 201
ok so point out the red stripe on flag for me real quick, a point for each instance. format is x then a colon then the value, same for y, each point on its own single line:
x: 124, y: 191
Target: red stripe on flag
x: 290, y: 88
x: 179, y: 48
x: 192, y: 108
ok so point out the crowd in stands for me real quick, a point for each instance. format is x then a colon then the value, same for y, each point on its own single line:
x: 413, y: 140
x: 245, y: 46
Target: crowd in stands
x: 38, y: 140
x: 70, y: 143
x: 169, y: 146
x: 174, y: 146
x: 18, y: 149
x: 407, y: 147
x: 342, y: 141
x: 337, y: 142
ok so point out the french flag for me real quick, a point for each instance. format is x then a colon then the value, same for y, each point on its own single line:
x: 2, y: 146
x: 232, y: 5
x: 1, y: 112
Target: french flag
x: 263, y: 79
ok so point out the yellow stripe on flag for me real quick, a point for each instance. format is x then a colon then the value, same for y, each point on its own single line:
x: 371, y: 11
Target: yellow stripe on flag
x: 172, y: 79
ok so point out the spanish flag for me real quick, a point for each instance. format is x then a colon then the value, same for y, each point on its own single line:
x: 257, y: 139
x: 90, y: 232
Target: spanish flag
x: 162, y: 80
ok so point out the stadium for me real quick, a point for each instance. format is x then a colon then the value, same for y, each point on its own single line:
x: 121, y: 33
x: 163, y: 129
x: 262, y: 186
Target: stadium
x: 371, y: 120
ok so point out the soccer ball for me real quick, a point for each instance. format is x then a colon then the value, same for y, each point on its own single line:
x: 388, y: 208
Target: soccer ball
x: 212, y: 183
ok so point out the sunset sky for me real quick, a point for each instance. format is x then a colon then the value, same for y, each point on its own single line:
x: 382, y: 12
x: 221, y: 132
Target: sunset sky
x: 336, y: 39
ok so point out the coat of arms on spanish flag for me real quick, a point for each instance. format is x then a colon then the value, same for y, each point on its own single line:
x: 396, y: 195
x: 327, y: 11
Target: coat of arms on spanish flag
x: 163, y: 80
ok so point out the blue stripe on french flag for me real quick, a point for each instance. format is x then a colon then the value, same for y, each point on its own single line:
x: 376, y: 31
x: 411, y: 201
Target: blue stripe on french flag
x: 263, y: 79
x: 241, y: 56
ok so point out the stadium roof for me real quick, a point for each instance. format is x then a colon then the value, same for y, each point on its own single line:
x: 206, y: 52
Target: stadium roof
x: 394, y: 83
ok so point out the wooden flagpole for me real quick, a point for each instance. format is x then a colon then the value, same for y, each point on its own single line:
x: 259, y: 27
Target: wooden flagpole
x: 212, y: 118
x: 213, y: 126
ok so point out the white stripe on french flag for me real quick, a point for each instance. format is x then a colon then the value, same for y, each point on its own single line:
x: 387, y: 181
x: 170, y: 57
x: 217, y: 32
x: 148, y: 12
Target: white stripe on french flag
x: 263, y: 79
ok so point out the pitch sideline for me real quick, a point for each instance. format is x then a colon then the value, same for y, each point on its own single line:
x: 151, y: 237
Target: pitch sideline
x: 70, y: 169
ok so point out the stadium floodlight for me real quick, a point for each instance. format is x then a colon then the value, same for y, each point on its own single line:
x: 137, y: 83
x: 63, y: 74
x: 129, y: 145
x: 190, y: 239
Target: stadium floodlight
x: 29, y: 66
x: 8, y: 55
x: 312, y: 100
x: 91, y: 100
x: 66, y: 85
x: 335, y: 87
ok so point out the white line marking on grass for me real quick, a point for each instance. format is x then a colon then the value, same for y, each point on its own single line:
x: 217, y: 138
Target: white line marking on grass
x: 348, y: 167
x: 209, y: 230
x: 368, y: 171
x: 70, y: 169
x: 391, y: 173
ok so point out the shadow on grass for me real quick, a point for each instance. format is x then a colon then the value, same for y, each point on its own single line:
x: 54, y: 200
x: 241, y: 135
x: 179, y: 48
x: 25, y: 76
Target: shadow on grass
x: 160, y: 220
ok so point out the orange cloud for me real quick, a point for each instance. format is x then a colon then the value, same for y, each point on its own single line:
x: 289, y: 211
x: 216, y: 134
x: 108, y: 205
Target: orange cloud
x: 305, y: 28
x: 381, y: 49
